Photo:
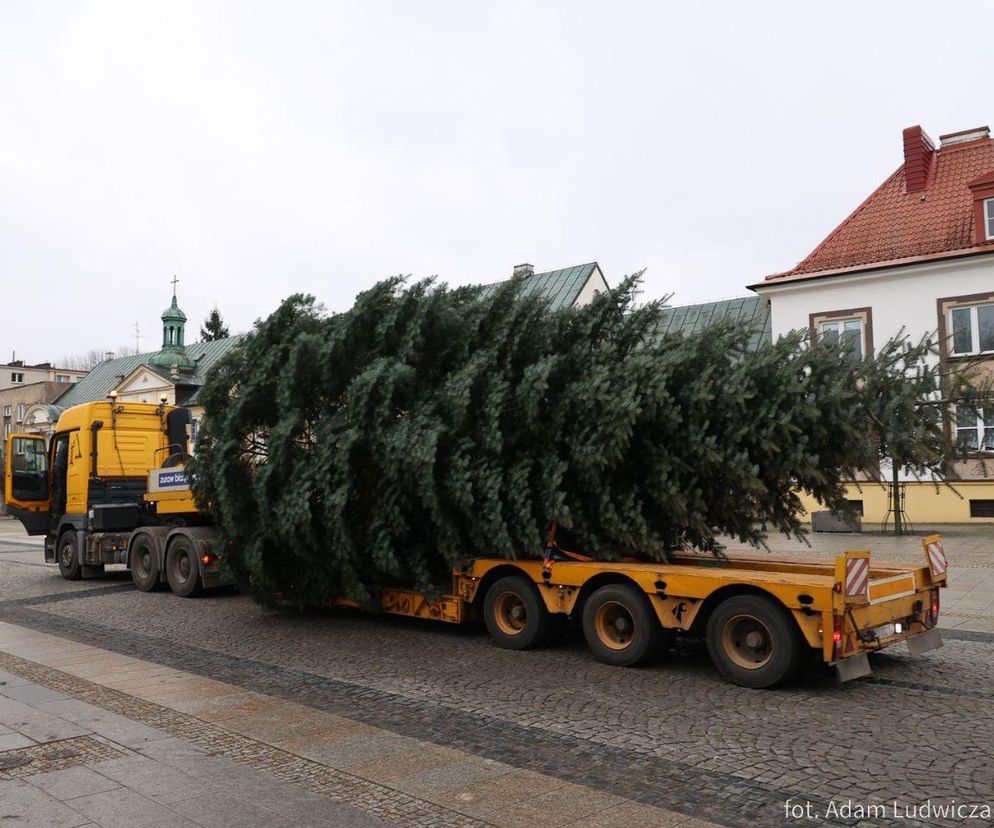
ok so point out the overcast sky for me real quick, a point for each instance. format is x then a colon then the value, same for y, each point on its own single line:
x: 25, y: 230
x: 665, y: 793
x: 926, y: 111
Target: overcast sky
x: 261, y: 149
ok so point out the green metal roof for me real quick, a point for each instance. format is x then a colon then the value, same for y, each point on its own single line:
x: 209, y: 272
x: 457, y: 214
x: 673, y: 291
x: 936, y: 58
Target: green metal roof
x: 107, y: 375
x: 689, y: 320
x: 560, y: 287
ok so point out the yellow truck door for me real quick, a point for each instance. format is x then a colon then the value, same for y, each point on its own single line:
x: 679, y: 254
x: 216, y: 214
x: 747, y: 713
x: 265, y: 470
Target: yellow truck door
x: 26, y: 481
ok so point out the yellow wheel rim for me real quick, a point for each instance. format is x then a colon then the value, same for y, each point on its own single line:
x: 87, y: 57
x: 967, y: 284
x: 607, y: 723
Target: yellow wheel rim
x: 615, y: 625
x: 747, y: 641
x: 510, y: 613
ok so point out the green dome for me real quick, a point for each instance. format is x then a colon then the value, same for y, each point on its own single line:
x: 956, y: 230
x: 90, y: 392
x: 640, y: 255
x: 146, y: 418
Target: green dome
x: 173, y: 351
x: 173, y: 313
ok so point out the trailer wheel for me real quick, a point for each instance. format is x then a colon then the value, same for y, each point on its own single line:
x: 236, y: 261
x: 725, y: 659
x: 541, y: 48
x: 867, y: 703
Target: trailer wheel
x: 144, y: 566
x: 621, y: 627
x: 515, y: 616
x: 754, y: 642
x: 183, y: 569
x: 68, y: 557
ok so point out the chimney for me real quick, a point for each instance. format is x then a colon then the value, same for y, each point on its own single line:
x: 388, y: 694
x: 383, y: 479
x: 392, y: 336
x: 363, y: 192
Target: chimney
x: 975, y: 134
x: 918, y: 154
x: 108, y: 355
x: 523, y: 270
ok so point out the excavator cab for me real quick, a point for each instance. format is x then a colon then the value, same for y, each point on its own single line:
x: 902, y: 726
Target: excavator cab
x: 27, y: 482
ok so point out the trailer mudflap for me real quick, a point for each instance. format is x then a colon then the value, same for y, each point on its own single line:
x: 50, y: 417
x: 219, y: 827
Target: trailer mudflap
x: 923, y: 642
x: 854, y: 667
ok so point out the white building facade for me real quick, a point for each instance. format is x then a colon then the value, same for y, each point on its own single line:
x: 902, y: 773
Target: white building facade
x: 915, y: 259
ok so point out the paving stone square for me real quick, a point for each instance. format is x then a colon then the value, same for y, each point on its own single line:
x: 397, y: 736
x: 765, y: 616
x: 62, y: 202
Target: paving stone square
x: 218, y: 712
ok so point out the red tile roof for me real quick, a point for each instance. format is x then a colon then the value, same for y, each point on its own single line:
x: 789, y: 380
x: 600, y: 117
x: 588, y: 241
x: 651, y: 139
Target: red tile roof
x: 894, y: 226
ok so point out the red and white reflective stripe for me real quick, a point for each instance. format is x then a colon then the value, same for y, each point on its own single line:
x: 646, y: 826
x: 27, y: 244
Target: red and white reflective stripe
x: 937, y: 558
x: 857, y: 575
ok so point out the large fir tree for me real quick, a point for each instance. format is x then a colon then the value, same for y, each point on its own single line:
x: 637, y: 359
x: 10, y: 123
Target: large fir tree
x: 425, y: 424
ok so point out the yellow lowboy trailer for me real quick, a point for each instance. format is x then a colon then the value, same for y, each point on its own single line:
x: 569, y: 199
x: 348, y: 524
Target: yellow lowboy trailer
x: 110, y: 487
x: 762, y: 617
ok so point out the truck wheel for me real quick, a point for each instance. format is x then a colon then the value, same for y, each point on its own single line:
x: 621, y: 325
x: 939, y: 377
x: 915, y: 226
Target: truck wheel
x: 183, y: 569
x: 515, y: 615
x: 621, y: 627
x: 68, y: 557
x: 754, y: 642
x: 144, y: 566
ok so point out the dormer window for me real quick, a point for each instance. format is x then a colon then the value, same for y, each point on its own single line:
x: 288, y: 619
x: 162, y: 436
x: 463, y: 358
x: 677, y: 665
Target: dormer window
x: 983, y: 207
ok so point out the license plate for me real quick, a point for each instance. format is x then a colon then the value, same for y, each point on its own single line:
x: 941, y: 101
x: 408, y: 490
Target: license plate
x: 884, y: 631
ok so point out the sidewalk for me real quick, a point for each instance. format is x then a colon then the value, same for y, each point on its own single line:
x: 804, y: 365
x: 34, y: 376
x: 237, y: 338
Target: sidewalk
x: 89, y: 737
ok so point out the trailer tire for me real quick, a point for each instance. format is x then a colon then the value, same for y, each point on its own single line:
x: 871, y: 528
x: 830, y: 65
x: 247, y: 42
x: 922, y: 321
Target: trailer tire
x: 621, y: 626
x: 514, y: 614
x: 67, y: 554
x: 143, y: 564
x: 183, y: 568
x: 754, y: 642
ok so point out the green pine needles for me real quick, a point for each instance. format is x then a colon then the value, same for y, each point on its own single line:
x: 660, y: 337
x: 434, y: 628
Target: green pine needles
x: 426, y: 425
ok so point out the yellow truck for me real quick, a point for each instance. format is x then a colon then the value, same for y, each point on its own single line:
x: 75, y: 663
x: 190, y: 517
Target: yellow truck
x: 111, y: 488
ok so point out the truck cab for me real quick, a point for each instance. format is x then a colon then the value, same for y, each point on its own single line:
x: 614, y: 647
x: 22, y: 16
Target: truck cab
x: 88, y: 493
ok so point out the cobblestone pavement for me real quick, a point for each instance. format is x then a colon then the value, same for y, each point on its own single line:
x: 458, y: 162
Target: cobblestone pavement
x: 671, y: 736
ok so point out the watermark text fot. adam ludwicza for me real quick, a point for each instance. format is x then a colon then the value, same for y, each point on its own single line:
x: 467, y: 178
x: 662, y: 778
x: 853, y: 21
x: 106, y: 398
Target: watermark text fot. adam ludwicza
x: 925, y: 810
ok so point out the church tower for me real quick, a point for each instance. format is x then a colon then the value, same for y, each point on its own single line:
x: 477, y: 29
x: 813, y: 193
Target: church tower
x: 173, y: 354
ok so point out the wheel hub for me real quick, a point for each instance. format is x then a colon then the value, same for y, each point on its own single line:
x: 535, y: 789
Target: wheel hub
x: 747, y: 641
x: 615, y: 625
x: 510, y: 613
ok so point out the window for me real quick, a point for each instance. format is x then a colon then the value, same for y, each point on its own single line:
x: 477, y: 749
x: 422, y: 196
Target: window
x: 194, y: 429
x: 6, y: 411
x: 982, y: 508
x: 974, y: 432
x: 20, y: 413
x: 972, y: 329
x: 6, y: 430
x: 62, y: 378
x: 17, y: 376
x: 848, y: 332
x: 989, y: 218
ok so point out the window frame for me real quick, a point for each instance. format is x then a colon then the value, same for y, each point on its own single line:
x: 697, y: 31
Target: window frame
x: 862, y: 315
x: 17, y: 378
x: 989, y: 218
x: 974, y: 310
x: 984, y: 423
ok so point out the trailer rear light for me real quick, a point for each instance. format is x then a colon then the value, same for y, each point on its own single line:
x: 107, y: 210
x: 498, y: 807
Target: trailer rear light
x: 935, y: 608
x: 207, y: 559
x: 837, y: 637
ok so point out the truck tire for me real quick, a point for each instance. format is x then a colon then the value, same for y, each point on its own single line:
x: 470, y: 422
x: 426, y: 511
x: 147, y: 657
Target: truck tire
x: 67, y: 555
x: 621, y: 626
x: 515, y: 616
x: 144, y: 564
x: 183, y: 568
x: 754, y: 642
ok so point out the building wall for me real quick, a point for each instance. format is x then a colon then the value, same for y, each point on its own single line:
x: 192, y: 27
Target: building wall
x: 899, y: 298
x: 903, y: 299
x: 925, y: 503
x: 33, y: 374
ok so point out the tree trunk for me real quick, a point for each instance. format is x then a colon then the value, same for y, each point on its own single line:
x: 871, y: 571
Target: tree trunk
x: 896, y: 495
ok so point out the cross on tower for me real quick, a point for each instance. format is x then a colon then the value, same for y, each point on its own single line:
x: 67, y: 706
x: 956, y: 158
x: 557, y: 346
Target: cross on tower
x: 138, y: 332
x: 174, y: 281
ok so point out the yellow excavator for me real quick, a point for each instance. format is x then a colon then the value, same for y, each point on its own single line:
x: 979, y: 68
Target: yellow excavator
x: 110, y: 487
